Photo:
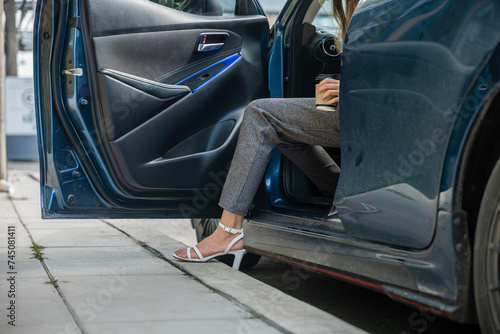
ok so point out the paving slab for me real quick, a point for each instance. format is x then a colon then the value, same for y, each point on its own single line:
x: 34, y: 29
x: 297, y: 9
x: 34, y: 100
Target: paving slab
x: 105, y: 261
x: 6, y: 209
x: 195, y: 326
x: 39, y: 308
x: 21, y: 237
x: 151, y: 232
x: 157, y: 229
x: 145, y: 298
x: 38, y: 223
x: 101, y: 236
x: 27, y: 269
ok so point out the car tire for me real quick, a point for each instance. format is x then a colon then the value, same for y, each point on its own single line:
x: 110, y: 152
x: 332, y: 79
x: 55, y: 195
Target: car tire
x: 204, y: 227
x: 486, y: 265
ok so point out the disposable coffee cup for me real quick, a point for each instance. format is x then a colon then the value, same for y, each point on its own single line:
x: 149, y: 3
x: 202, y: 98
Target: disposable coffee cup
x: 320, y: 103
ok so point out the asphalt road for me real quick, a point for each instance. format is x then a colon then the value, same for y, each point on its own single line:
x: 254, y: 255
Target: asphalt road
x: 368, y: 310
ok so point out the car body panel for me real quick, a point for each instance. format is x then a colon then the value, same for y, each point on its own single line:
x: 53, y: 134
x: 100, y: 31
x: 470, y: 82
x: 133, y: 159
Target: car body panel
x: 486, y: 88
x: 421, y: 73
x: 427, y: 279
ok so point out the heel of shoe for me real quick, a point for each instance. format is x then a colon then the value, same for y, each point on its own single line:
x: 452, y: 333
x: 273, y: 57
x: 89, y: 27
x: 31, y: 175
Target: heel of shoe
x: 238, y: 256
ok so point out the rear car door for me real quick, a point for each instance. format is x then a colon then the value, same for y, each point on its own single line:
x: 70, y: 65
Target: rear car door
x: 139, y: 102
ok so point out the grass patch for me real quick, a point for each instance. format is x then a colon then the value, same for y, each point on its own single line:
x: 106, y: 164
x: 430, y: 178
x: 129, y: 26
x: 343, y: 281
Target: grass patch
x: 53, y: 282
x: 24, y: 198
x: 37, y: 251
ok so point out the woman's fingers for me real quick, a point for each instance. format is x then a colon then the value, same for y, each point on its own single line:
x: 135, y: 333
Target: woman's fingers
x: 329, y: 81
x: 329, y: 90
x: 331, y: 99
x: 329, y: 84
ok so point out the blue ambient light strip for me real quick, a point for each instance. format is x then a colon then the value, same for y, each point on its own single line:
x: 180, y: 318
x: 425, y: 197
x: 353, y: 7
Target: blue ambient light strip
x: 229, y: 61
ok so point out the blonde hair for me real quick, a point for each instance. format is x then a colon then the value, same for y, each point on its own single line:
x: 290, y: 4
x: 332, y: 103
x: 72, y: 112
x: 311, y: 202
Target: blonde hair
x: 343, y: 15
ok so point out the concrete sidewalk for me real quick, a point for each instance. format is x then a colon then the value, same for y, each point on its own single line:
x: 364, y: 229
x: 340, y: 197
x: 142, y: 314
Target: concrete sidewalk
x: 118, y: 276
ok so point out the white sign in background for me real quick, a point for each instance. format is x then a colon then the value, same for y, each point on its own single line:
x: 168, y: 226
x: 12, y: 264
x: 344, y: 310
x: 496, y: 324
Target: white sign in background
x: 19, y: 107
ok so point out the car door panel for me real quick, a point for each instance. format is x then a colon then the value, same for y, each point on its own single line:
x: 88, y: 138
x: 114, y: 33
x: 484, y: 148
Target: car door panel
x: 149, y: 117
x: 143, y: 54
x: 142, y: 168
x: 402, y: 112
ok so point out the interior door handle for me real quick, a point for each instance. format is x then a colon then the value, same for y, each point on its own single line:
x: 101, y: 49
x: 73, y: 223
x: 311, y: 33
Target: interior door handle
x: 211, y: 41
x: 209, y: 47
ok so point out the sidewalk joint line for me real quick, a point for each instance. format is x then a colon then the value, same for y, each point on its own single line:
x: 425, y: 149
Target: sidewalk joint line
x: 33, y: 176
x: 159, y: 255
x: 49, y: 274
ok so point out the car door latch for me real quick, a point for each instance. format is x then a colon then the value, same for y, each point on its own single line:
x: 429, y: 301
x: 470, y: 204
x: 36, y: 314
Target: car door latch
x: 73, y: 71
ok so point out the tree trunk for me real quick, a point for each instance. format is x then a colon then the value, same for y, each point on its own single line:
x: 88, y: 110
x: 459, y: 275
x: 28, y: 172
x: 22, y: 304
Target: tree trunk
x: 12, y: 43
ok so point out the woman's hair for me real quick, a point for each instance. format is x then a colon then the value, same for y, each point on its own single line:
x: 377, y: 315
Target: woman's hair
x: 342, y: 15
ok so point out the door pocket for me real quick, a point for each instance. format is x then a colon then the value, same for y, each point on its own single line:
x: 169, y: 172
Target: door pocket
x: 129, y: 101
x: 206, y: 140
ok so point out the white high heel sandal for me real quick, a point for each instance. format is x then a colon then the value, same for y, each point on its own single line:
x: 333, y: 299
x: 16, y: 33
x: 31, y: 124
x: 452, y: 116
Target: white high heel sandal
x: 238, y: 254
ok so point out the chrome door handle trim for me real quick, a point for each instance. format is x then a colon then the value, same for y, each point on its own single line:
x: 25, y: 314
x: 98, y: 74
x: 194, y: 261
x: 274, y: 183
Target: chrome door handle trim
x: 209, y: 47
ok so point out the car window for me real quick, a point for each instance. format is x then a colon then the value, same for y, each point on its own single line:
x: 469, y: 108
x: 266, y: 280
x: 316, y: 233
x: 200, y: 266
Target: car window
x: 323, y: 20
x: 272, y: 8
x: 201, y: 7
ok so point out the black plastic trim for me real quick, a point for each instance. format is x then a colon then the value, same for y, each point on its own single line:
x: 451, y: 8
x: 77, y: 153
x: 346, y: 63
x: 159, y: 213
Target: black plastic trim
x: 158, y: 89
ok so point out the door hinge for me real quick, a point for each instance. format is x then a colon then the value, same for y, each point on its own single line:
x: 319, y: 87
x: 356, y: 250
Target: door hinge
x: 75, y: 22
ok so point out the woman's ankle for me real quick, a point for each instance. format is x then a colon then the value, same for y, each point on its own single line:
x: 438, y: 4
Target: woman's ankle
x: 231, y: 219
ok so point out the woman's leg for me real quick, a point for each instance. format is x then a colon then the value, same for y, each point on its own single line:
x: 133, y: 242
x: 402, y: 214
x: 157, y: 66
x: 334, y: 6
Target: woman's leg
x: 316, y: 164
x: 293, y: 125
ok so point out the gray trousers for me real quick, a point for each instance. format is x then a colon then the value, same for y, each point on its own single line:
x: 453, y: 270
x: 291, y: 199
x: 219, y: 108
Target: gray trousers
x: 298, y: 130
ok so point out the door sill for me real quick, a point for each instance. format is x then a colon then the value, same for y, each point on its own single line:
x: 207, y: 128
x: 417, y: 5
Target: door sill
x: 327, y: 225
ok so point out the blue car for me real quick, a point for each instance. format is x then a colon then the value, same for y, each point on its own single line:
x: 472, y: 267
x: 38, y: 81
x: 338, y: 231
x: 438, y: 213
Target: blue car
x: 139, y: 104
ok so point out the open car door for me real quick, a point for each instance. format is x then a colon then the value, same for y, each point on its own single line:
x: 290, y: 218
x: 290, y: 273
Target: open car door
x: 139, y: 103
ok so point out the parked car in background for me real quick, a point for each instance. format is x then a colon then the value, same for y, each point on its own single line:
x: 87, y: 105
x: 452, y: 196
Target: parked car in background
x: 138, y: 114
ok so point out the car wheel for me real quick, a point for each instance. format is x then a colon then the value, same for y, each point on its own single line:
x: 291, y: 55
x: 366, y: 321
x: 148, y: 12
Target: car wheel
x: 204, y: 227
x: 487, y: 256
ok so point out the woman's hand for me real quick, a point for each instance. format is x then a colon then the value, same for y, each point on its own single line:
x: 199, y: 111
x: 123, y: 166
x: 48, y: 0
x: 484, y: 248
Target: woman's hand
x: 329, y: 90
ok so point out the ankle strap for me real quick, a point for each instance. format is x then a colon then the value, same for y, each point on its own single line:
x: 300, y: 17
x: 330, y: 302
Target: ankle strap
x: 230, y: 229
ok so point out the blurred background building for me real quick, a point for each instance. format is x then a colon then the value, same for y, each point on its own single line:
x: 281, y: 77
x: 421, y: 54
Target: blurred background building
x: 19, y: 94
